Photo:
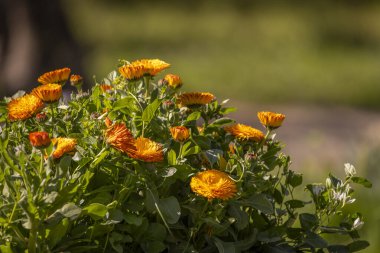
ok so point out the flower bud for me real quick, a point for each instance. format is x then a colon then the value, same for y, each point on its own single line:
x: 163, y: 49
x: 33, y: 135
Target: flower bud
x: 41, y: 117
x: 180, y: 133
x: 39, y: 139
x: 76, y: 80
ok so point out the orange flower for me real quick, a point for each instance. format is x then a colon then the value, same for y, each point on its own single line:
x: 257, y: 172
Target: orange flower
x: 41, y: 117
x: 213, y: 184
x: 173, y: 81
x: 63, y: 146
x: 59, y: 76
x: 39, y: 139
x: 180, y: 133
x: 76, y: 80
x: 105, y: 87
x: 194, y: 98
x: 119, y: 137
x: 139, y: 68
x: 24, y: 107
x: 271, y: 120
x: 147, y: 150
x: 151, y: 66
x: 245, y: 132
x: 50, y: 92
x: 131, y: 72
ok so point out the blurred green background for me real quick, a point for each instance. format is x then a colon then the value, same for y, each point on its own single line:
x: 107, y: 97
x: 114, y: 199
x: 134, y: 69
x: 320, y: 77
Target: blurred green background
x: 316, y: 61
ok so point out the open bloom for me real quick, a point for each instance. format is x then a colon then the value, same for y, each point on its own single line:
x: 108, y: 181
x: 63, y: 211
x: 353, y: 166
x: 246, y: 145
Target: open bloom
x: 194, y: 98
x: 50, y: 92
x: 39, y: 139
x: 119, y: 137
x: 245, y: 132
x: 24, y: 107
x: 180, y: 133
x: 270, y: 119
x: 147, y: 150
x: 139, y: 68
x: 173, y: 81
x: 59, y: 76
x: 63, y: 146
x: 213, y: 184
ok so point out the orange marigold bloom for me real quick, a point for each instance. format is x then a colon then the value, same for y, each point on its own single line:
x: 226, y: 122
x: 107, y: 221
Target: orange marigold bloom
x: 50, y: 92
x: 245, y: 132
x: 63, y: 146
x: 76, y: 80
x: 105, y: 87
x: 194, y: 98
x: 180, y: 133
x: 270, y: 119
x: 147, y: 150
x: 213, y: 184
x: 151, y: 66
x: 24, y: 107
x: 119, y: 137
x: 39, y: 139
x: 132, y: 72
x: 59, y: 76
x: 173, y: 81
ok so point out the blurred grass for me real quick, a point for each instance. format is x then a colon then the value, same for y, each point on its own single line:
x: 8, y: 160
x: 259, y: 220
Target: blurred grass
x: 262, y: 54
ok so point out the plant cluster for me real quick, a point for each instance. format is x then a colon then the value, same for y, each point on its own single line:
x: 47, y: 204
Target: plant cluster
x: 134, y: 165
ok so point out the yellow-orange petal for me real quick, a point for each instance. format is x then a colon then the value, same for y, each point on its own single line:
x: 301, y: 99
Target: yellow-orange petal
x: 180, y: 133
x: 172, y: 81
x: 151, y: 66
x: 76, y: 80
x: 63, y: 146
x: 213, y: 184
x: 245, y: 132
x: 50, y: 92
x: 132, y: 72
x: 39, y: 139
x: 194, y: 98
x: 119, y: 137
x: 59, y: 76
x: 271, y: 119
x: 24, y: 107
x: 105, y: 87
x: 147, y: 150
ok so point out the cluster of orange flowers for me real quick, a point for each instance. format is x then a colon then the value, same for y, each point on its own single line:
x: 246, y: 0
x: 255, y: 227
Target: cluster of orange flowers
x: 209, y: 183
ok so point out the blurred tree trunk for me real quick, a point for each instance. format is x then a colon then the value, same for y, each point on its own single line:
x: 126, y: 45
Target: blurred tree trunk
x: 34, y: 38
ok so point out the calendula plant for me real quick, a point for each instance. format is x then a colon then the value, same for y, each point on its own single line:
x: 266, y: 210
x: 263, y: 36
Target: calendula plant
x: 135, y: 165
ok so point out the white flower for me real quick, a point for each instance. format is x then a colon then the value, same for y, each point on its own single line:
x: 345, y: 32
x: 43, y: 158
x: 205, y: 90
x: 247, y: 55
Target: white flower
x: 357, y: 224
x: 349, y: 169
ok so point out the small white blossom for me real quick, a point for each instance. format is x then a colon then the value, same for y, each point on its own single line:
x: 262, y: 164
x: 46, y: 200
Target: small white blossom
x: 349, y: 169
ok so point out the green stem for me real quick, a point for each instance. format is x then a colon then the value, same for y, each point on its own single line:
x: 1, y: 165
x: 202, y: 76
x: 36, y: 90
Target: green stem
x: 32, y: 237
x: 180, y: 152
x: 147, y: 83
x: 160, y: 213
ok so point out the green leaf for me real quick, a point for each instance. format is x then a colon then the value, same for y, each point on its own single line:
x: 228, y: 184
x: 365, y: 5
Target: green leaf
x: 127, y: 102
x: 221, y: 122
x: 357, y: 245
x: 261, y: 203
x: 227, y: 110
x: 202, y: 141
x: 6, y: 248
x: 315, y: 240
x: 96, y: 211
x: 172, y: 157
x: 154, y: 247
x: 360, y: 180
x: 240, y: 216
x: 99, y: 158
x: 338, y: 249
x: 150, y: 110
x: 58, y: 232
x: 155, y: 232
x: 294, y: 179
x: 170, y: 209
x: 294, y: 203
x: 191, y: 151
x: 308, y: 221
x: 133, y: 219
x: 193, y: 116
x: 224, y: 247
x: 70, y: 210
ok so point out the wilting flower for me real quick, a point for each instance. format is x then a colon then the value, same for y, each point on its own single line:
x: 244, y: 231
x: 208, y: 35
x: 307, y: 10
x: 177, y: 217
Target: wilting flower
x: 194, y: 98
x: 63, y: 146
x: 39, y: 139
x: 105, y: 87
x: 147, y: 150
x: 172, y: 81
x: 213, y: 184
x: 245, y: 132
x: 167, y: 105
x: 50, y: 92
x: 180, y: 133
x: 76, y: 80
x: 24, y: 107
x: 271, y: 120
x: 119, y: 137
x: 59, y: 76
